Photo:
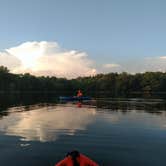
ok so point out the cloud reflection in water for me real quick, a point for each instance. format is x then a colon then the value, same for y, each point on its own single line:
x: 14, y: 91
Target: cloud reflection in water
x: 48, y: 123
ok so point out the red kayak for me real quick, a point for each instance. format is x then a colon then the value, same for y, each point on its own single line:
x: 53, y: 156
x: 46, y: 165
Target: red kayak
x: 75, y: 158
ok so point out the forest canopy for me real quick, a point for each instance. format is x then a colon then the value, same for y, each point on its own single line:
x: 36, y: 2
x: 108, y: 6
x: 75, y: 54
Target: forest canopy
x: 111, y: 84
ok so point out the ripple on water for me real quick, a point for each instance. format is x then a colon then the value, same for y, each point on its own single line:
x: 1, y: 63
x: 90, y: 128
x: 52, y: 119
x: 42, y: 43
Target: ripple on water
x: 109, y: 136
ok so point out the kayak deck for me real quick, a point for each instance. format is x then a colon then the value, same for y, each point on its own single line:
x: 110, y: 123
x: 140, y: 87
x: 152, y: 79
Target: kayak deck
x: 76, y: 158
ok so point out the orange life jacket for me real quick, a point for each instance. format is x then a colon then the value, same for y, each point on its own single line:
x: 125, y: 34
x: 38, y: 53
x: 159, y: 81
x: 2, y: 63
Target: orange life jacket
x: 82, y: 160
x: 79, y: 94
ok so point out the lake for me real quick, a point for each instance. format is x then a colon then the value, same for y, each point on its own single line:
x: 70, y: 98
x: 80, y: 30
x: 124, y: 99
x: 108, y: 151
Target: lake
x: 113, y: 132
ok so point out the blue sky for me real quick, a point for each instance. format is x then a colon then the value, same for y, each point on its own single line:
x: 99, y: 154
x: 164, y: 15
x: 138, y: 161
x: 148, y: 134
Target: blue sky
x: 107, y: 30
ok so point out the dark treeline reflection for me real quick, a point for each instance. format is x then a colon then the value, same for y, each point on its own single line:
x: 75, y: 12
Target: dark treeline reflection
x: 125, y: 105
x: 26, y: 102
x: 24, y: 99
x: 146, y: 84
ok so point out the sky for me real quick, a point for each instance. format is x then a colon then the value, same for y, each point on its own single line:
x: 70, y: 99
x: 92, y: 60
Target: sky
x: 71, y: 38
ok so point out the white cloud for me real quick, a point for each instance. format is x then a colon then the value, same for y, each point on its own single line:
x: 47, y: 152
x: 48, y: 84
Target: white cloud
x: 111, y: 67
x: 140, y: 65
x: 162, y: 57
x: 68, y: 64
x: 137, y: 65
x: 47, y: 58
x: 154, y: 64
x: 9, y: 61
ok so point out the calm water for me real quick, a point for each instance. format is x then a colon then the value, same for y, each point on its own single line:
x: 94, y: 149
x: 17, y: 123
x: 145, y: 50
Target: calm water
x: 113, y: 132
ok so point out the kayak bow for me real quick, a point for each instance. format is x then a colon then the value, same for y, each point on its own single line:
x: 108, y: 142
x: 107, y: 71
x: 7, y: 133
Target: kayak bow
x: 75, y: 158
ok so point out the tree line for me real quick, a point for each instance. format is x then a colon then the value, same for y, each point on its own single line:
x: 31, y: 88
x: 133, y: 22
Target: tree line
x: 112, y: 84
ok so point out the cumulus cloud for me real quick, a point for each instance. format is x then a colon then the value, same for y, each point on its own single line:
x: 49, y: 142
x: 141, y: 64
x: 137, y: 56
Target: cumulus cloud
x: 69, y: 64
x: 9, y: 61
x: 111, y: 67
x: 47, y: 58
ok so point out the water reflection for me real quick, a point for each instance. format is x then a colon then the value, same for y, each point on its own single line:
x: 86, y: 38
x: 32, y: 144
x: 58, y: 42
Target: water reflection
x: 47, y: 123
x: 8, y: 100
x: 155, y: 106
x: 122, y: 132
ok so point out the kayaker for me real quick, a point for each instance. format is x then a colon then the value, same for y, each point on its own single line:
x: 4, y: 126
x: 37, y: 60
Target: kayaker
x: 79, y: 93
x: 75, y: 158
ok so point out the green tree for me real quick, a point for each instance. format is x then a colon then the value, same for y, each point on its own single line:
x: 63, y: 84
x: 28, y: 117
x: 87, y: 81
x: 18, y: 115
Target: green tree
x: 4, y: 69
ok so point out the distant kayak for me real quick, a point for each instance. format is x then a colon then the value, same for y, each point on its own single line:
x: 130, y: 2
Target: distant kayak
x: 75, y: 158
x: 74, y: 98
